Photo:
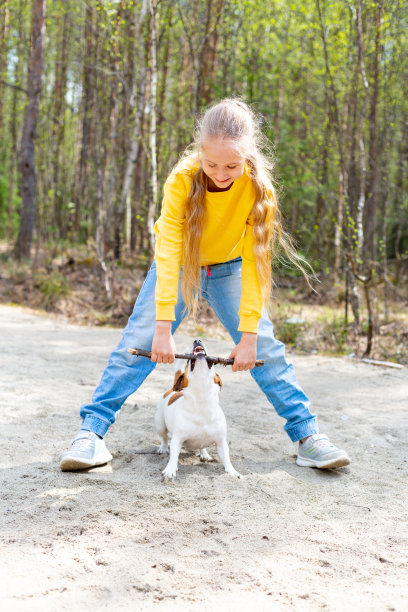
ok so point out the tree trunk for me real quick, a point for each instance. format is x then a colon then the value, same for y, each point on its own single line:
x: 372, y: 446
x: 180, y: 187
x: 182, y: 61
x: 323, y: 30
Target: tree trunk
x: 135, y: 222
x: 111, y: 160
x: 321, y: 204
x: 343, y: 184
x: 4, y: 28
x: 402, y: 165
x: 123, y: 218
x: 13, y: 161
x: 163, y: 86
x: 58, y: 125
x: 363, y: 166
x: 282, y: 70
x: 353, y: 163
x: 12, y: 127
x: 81, y: 188
x: 152, y: 134
x: 338, y: 227
x: 208, y: 57
x: 28, y: 178
x: 99, y: 157
x: 370, y: 220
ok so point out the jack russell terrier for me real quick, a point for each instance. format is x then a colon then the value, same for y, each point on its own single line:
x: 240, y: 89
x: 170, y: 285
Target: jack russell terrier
x: 191, y: 414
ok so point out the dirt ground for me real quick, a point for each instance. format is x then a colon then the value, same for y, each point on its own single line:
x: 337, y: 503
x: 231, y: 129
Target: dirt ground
x: 116, y: 537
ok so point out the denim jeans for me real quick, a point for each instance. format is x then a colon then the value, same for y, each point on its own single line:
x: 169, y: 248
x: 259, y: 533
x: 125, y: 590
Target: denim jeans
x: 222, y: 290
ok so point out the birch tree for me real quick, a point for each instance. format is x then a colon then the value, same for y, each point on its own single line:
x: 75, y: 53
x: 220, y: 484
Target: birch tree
x: 152, y: 132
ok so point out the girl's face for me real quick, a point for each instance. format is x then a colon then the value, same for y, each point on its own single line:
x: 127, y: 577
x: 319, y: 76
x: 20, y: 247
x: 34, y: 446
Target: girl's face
x: 221, y: 162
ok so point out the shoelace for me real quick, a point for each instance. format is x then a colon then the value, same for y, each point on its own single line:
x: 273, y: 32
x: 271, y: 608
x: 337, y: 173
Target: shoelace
x: 80, y: 443
x: 322, y: 443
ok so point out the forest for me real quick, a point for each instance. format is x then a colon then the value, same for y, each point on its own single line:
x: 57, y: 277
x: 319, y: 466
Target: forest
x: 98, y: 100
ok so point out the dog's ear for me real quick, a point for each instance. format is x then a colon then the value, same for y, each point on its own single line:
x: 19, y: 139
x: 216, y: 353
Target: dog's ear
x: 180, y: 381
x: 217, y: 380
x: 177, y: 375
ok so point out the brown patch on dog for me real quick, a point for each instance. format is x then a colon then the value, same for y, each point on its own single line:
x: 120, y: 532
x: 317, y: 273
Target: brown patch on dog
x: 168, y: 393
x: 175, y: 397
x: 217, y: 380
x: 177, y: 376
x: 180, y: 380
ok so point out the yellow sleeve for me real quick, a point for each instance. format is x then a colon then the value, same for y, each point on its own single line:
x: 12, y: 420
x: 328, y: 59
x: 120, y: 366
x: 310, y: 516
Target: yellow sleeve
x: 169, y: 245
x: 251, y: 305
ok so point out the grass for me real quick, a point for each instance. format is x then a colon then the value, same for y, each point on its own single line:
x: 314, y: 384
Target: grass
x: 52, y: 286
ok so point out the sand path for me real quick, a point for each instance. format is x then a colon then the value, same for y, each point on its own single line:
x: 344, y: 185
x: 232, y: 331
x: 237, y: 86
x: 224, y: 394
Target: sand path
x: 117, y: 538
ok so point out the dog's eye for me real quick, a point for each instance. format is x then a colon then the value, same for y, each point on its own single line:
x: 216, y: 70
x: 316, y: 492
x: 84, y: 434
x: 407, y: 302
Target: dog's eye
x: 210, y: 363
x: 192, y: 364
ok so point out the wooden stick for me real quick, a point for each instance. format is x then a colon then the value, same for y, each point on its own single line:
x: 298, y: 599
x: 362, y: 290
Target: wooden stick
x: 386, y: 364
x: 214, y: 360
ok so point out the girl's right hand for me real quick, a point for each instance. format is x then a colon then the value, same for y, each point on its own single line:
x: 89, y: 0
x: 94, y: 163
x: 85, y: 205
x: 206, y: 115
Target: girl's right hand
x: 163, y: 347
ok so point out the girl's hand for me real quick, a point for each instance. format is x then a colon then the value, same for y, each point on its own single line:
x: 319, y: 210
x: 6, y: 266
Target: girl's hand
x: 244, y: 354
x: 163, y: 347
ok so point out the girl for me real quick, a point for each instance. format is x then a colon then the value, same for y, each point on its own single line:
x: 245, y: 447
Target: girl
x: 214, y: 238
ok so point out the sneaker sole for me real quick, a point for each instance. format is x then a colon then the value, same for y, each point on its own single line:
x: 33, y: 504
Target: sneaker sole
x: 70, y: 464
x: 334, y: 463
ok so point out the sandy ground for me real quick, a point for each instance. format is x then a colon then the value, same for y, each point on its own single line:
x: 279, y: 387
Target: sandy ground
x: 116, y: 537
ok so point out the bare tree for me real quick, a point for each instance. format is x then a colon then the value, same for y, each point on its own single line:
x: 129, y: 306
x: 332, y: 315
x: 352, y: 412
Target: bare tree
x: 28, y: 177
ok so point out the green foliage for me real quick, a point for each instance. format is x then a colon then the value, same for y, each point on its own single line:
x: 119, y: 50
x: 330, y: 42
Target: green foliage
x: 4, y: 206
x: 289, y: 333
x: 52, y: 286
x: 335, y: 332
x: 4, y: 197
x: 269, y: 53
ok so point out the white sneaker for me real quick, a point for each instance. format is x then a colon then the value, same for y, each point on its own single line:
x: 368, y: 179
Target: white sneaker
x: 318, y: 451
x: 87, y: 450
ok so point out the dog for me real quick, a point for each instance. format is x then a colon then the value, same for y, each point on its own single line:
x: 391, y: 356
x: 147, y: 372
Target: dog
x: 190, y: 413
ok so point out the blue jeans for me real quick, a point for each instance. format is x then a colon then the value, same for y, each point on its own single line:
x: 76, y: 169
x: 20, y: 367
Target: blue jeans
x: 222, y: 290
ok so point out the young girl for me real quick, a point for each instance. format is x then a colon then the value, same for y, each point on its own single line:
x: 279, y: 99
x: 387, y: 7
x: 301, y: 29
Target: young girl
x: 214, y: 238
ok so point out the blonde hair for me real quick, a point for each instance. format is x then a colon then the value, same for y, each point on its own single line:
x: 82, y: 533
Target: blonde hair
x: 234, y: 121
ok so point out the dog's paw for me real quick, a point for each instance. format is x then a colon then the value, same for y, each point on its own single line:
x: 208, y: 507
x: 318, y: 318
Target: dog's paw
x: 163, y: 448
x: 169, y: 472
x: 232, y: 472
x: 204, y: 455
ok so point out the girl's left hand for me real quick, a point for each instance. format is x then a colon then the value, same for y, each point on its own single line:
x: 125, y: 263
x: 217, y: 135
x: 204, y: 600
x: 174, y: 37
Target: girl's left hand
x: 244, y: 354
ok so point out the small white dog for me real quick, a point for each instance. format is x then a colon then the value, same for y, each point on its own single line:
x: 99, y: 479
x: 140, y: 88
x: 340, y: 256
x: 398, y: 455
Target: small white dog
x: 191, y: 414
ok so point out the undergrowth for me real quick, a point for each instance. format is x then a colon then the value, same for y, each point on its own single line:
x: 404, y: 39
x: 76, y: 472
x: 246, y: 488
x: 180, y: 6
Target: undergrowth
x: 70, y: 283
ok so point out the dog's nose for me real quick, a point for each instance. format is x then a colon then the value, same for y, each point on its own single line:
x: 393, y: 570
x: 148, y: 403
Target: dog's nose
x: 198, y: 347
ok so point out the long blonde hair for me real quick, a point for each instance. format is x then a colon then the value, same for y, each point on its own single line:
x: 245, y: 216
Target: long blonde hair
x: 234, y: 121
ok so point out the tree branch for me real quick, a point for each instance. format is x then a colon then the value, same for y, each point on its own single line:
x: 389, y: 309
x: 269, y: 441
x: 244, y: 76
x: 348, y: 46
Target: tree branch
x: 14, y: 86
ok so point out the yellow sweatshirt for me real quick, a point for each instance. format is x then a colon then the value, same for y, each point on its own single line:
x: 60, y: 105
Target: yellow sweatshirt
x: 227, y: 234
